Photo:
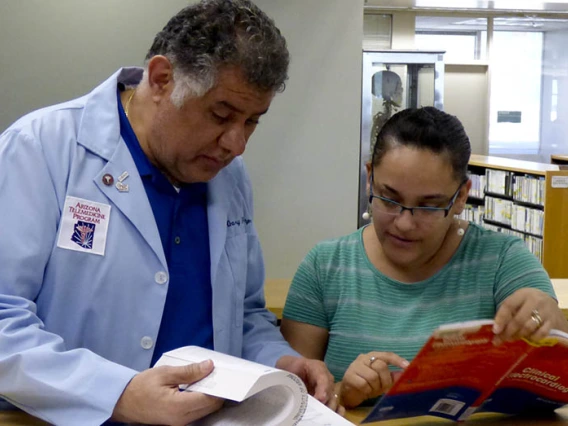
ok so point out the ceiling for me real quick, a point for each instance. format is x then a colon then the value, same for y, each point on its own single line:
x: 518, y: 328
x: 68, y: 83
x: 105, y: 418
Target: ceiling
x: 522, y: 6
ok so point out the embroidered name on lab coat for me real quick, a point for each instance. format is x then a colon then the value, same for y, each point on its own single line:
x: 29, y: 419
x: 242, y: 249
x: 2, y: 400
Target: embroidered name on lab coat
x: 84, y: 226
x: 238, y: 222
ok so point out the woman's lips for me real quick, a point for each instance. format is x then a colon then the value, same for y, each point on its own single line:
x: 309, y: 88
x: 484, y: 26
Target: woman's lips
x: 401, y: 241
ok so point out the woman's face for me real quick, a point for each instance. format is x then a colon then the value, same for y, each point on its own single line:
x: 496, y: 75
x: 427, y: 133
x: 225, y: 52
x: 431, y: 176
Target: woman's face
x: 414, y: 178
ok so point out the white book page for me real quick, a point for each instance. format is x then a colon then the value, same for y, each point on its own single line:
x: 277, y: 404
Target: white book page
x: 262, y: 395
x: 274, y: 406
x: 558, y: 333
x: 232, y: 378
x: 465, y: 324
x: 318, y: 414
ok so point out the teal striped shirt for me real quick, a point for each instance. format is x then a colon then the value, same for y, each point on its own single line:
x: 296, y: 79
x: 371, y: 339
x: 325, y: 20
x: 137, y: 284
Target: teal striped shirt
x: 337, y: 288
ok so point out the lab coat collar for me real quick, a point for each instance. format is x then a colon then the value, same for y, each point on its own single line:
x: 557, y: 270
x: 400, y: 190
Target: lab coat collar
x: 99, y: 130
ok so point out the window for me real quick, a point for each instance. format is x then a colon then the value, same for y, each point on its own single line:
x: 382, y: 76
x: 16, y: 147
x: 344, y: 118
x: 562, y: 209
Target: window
x: 516, y: 73
x: 463, y: 39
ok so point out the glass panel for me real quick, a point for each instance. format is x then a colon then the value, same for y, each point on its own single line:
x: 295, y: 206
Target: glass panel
x: 463, y: 38
x: 516, y: 64
x: 554, y: 105
x: 398, y: 86
x: 392, y: 81
x: 386, y: 94
x: 377, y: 31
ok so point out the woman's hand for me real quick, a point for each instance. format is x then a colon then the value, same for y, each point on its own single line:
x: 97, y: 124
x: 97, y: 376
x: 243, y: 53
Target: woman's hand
x: 369, y: 376
x: 527, y: 313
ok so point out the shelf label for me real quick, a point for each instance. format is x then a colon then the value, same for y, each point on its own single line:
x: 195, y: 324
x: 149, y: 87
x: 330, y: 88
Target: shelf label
x: 559, y: 181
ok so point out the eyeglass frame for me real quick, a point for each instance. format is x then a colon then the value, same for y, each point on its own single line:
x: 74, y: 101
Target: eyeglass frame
x: 411, y: 209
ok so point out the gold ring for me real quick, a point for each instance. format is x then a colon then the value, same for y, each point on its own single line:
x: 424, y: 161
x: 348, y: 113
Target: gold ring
x: 535, y: 316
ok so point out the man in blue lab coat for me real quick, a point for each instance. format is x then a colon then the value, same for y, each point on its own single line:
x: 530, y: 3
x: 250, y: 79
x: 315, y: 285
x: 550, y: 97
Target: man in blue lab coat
x: 126, y: 229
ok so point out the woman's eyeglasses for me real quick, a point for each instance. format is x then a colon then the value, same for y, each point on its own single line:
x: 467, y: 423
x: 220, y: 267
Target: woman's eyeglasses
x: 423, y: 214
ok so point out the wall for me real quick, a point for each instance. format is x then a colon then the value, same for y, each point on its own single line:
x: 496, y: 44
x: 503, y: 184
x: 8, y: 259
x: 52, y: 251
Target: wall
x: 304, y: 158
x: 56, y: 50
x: 465, y: 93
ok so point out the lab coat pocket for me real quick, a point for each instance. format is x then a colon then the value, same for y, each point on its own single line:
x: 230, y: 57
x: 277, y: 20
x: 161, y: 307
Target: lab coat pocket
x: 236, y: 249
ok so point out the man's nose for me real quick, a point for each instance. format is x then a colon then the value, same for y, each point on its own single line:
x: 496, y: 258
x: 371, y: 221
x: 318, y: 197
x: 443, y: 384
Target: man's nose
x: 234, y: 140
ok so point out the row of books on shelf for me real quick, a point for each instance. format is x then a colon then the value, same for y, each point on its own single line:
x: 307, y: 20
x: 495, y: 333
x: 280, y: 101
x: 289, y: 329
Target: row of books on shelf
x: 477, y: 186
x: 527, y: 189
x: 476, y: 214
x: 520, y: 218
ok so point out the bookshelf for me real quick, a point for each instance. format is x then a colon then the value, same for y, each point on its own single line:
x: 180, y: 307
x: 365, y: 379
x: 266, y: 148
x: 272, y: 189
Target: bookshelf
x: 526, y: 199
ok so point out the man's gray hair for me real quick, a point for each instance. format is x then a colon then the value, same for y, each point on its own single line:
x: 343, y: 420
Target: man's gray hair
x: 212, y: 34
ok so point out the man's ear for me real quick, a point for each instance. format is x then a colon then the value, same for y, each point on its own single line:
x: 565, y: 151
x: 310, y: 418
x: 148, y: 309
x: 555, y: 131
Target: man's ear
x: 160, y: 77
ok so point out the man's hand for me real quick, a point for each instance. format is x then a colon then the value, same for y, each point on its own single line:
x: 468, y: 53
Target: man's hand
x: 369, y: 376
x: 153, y: 396
x: 315, y: 375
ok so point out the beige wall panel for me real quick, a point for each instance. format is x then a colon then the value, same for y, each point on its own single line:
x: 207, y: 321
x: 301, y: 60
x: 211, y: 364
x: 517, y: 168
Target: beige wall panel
x: 465, y: 96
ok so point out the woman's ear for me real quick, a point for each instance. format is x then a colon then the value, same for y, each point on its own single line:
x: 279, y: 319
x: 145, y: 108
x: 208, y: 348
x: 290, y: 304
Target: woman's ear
x: 463, y: 196
x: 369, y: 168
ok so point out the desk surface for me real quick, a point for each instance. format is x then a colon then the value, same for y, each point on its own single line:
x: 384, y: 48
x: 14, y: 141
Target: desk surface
x: 18, y: 418
x: 559, y: 418
x: 276, y: 290
x: 559, y: 159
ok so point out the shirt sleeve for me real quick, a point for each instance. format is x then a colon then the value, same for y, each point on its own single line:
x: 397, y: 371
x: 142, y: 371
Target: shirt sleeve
x: 305, y: 301
x: 519, y: 268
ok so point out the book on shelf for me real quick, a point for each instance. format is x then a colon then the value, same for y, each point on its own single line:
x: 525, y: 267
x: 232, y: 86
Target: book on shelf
x: 459, y: 371
x: 254, y: 393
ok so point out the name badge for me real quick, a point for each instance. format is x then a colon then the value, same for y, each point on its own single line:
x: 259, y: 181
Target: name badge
x: 84, y: 226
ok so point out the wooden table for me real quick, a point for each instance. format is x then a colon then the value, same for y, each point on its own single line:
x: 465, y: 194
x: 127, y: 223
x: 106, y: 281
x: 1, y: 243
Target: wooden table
x: 276, y: 290
x: 559, y: 159
x: 558, y: 418
x: 18, y: 418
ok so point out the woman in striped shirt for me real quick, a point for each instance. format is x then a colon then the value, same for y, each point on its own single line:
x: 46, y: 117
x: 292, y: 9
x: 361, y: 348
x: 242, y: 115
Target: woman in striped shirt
x: 365, y: 303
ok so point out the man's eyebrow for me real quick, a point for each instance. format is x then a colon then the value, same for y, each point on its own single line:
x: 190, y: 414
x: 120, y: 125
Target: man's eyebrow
x: 240, y: 111
x: 425, y: 197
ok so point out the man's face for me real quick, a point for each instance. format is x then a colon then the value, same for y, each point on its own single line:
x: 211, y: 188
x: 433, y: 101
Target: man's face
x: 194, y: 143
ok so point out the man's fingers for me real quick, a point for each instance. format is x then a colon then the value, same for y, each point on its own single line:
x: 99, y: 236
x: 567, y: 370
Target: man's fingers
x: 319, y: 381
x: 185, y: 374
x: 208, y: 404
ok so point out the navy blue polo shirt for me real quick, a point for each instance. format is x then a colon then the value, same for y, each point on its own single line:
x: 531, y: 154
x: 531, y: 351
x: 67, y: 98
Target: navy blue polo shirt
x: 181, y: 218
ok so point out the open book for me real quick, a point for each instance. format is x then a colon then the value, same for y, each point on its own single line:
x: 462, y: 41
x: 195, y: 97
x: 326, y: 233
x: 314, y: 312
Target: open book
x: 255, y: 394
x: 459, y: 371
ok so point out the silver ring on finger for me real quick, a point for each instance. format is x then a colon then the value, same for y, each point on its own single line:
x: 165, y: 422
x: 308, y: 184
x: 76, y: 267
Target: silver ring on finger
x: 537, y: 319
x: 372, y: 359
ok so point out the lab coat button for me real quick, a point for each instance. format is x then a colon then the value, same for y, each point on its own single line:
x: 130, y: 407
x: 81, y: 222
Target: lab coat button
x: 146, y: 342
x: 161, y: 277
